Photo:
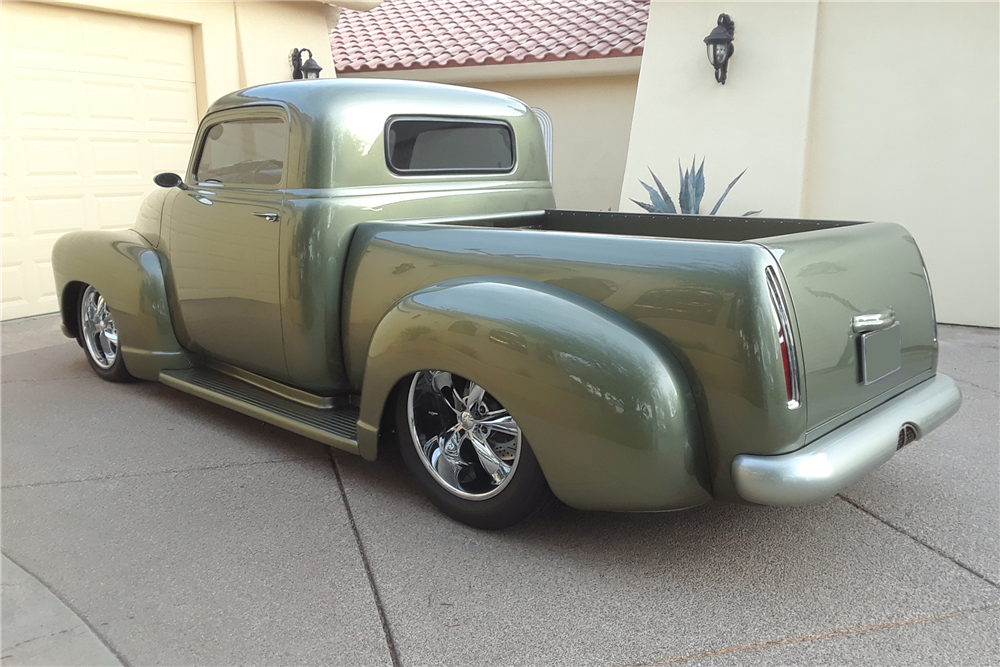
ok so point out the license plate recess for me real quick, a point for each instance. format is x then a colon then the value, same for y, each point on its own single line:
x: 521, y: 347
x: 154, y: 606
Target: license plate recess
x: 880, y: 354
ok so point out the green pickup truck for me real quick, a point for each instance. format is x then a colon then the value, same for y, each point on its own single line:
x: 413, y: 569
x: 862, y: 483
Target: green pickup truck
x: 367, y: 262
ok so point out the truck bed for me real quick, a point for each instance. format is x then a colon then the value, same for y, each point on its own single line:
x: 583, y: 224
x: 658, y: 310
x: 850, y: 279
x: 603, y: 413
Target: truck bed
x: 699, y: 284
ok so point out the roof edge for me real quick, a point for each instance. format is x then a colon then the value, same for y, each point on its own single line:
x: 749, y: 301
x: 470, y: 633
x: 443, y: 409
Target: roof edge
x: 553, y: 69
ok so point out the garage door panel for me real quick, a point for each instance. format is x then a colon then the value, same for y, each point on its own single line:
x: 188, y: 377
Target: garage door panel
x: 40, y: 158
x: 50, y: 216
x: 115, y: 100
x: 12, y: 287
x: 117, y: 210
x: 9, y: 163
x: 44, y: 217
x: 170, y: 107
x: 9, y: 220
x: 94, y: 105
x: 166, y: 52
x: 35, y: 99
x: 169, y: 155
x: 48, y: 159
x: 38, y: 36
x: 68, y: 39
x: 31, y: 97
x: 118, y: 159
x: 26, y: 286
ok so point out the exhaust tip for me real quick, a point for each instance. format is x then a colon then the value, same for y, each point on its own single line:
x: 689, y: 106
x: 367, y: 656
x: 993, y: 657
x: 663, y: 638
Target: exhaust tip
x: 907, y: 434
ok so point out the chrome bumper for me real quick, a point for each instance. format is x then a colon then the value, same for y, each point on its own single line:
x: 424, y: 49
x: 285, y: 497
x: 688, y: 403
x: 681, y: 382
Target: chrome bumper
x: 824, y: 467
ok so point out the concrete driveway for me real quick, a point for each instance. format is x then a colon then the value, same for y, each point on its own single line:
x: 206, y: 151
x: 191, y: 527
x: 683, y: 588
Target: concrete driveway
x: 143, y: 526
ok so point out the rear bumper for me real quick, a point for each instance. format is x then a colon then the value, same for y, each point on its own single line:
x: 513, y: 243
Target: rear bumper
x: 840, y: 458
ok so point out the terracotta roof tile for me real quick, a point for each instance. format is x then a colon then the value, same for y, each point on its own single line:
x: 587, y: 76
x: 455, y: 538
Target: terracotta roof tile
x: 410, y: 34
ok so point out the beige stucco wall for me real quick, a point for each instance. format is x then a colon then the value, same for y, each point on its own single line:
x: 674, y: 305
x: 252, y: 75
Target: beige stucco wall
x: 865, y: 111
x: 904, y: 127
x: 239, y: 44
x: 591, y: 119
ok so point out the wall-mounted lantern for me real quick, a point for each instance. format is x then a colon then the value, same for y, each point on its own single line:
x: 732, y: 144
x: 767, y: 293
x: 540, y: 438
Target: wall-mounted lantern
x: 720, y: 46
x: 310, y: 69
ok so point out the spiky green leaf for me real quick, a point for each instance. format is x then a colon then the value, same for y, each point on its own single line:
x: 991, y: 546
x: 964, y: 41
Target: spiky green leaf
x: 699, y: 185
x: 663, y: 190
x: 723, y: 197
x: 686, y: 197
x: 648, y: 207
x: 660, y: 204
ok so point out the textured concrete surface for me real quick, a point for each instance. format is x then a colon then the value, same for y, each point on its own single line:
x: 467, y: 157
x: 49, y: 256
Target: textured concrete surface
x: 172, y: 531
x: 945, y: 490
x: 38, y: 629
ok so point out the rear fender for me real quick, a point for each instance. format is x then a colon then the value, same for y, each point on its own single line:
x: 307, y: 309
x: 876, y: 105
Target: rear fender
x: 126, y: 270
x: 607, y: 409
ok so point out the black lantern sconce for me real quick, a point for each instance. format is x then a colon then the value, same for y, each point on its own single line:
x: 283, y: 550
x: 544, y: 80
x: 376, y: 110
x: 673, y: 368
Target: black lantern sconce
x: 720, y: 46
x: 309, y: 69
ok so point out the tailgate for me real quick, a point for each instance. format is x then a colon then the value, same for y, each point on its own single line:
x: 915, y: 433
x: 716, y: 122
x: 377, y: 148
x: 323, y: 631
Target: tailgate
x: 865, y: 320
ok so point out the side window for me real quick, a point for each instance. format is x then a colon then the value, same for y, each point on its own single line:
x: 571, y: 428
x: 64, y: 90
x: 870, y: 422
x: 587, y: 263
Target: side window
x: 243, y: 152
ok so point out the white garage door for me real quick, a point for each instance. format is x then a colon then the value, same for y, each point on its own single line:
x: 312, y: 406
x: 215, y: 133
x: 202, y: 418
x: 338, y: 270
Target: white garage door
x: 94, y: 105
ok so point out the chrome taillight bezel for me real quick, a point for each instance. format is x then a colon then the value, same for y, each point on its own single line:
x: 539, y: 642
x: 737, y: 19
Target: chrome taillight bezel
x: 786, y: 340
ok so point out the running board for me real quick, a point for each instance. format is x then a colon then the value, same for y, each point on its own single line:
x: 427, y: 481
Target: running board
x: 336, y: 426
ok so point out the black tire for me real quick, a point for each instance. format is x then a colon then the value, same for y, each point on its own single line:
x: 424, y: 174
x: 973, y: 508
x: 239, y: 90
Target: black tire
x: 98, y: 336
x: 454, y: 477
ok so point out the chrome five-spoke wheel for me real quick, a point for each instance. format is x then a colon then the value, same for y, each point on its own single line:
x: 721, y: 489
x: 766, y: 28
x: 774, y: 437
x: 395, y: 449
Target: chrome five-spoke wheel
x: 468, y: 452
x: 99, y: 336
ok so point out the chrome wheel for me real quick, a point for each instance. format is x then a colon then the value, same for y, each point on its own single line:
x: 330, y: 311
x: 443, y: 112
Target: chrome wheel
x: 463, y: 436
x: 97, y: 328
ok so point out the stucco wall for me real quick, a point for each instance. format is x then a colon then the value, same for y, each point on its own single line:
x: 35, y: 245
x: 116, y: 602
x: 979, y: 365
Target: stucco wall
x: 904, y: 127
x: 865, y: 111
x: 591, y: 120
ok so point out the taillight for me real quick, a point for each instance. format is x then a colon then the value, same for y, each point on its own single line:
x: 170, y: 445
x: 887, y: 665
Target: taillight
x: 786, y: 342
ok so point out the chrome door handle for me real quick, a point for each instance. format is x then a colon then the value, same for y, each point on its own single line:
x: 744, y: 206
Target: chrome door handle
x: 270, y: 217
x: 873, y: 321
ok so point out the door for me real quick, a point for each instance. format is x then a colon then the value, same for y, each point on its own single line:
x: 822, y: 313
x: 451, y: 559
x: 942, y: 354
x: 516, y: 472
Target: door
x: 223, y: 242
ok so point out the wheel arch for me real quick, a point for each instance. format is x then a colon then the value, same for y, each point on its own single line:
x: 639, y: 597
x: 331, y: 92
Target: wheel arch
x: 127, y: 271
x: 606, y: 407
x: 68, y: 311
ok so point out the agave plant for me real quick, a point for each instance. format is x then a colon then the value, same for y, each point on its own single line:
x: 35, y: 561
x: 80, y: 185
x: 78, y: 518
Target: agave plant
x: 692, y: 191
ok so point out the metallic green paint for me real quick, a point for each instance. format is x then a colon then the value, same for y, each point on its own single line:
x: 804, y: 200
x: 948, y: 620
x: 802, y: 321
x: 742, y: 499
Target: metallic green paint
x: 127, y: 272
x: 150, y: 216
x: 836, y: 274
x: 705, y: 302
x: 224, y: 265
x: 335, y: 178
x: 317, y: 229
x: 609, y: 408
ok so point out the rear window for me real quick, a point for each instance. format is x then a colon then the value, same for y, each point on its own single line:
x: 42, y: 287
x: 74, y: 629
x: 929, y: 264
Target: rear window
x: 448, y: 145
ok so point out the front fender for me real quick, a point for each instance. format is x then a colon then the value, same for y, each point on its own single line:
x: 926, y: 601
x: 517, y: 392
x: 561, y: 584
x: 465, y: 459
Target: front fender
x: 606, y: 407
x: 126, y: 270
